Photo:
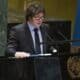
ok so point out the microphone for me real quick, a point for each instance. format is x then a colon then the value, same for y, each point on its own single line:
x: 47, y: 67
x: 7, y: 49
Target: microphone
x: 53, y: 50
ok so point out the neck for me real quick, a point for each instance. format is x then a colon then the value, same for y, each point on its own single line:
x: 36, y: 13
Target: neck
x: 29, y: 22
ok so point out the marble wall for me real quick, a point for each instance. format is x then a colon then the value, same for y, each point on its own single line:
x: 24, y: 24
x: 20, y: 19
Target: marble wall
x: 3, y: 26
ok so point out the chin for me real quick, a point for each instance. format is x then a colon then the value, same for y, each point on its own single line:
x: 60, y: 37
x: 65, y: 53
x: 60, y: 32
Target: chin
x: 38, y: 25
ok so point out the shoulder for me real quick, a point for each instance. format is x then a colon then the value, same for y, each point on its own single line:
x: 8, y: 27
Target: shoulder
x: 19, y: 26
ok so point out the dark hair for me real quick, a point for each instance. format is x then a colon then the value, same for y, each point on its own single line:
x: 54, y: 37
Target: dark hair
x: 33, y: 9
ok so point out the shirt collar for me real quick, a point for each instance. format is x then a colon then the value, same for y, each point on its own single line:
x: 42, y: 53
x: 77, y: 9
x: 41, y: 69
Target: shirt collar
x: 31, y: 26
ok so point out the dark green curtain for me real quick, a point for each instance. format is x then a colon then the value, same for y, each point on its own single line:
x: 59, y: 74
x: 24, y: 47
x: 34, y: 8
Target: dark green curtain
x: 3, y: 26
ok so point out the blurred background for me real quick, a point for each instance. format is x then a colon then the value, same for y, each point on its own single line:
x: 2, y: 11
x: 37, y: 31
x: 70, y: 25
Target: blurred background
x: 55, y: 9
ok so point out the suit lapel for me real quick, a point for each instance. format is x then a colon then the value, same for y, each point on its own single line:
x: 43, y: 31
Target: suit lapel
x: 28, y: 37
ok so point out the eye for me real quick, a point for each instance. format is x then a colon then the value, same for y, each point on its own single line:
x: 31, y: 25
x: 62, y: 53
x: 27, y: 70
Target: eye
x: 39, y: 17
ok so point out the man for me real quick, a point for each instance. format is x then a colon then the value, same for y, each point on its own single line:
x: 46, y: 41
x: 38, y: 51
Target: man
x: 22, y: 41
x: 27, y: 39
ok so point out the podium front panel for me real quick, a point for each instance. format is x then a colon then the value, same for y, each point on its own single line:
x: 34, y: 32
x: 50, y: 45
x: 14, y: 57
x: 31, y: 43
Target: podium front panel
x: 47, y: 68
x: 37, y: 68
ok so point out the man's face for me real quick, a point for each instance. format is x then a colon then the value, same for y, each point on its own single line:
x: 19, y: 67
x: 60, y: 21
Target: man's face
x: 37, y: 20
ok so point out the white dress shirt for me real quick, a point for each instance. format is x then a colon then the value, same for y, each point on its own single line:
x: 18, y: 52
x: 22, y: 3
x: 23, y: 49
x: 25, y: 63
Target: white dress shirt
x: 31, y: 27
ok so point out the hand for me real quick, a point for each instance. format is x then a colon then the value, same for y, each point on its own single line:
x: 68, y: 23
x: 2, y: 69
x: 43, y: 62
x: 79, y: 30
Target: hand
x: 22, y: 54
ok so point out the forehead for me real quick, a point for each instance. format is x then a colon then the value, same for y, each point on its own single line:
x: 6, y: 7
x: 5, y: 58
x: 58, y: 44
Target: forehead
x: 40, y: 14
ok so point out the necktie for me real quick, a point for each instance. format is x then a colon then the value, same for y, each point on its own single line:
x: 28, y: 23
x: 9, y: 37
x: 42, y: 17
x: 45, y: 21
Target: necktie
x: 37, y: 42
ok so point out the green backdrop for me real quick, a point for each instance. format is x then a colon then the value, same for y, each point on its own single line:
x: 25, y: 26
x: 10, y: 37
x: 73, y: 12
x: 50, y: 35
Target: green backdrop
x: 3, y: 26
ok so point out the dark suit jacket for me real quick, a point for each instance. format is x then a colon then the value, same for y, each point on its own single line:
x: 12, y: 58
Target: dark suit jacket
x: 20, y: 39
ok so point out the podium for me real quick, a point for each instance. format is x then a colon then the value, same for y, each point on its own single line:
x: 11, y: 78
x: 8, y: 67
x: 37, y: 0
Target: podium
x: 33, y: 68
